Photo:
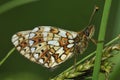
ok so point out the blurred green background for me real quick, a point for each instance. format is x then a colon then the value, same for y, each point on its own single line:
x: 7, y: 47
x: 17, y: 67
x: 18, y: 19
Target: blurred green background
x: 18, y: 15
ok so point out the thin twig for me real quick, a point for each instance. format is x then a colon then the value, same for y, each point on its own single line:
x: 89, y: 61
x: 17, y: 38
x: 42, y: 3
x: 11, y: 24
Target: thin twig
x: 9, y: 53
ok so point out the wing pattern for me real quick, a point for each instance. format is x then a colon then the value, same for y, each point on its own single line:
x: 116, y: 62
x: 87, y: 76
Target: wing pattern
x: 45, y: 45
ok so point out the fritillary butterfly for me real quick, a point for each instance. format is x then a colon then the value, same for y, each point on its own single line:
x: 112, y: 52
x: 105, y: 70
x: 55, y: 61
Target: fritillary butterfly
x: 51, y: 46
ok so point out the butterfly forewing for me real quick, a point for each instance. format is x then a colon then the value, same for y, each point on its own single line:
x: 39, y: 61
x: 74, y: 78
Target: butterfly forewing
x: 46, y: 45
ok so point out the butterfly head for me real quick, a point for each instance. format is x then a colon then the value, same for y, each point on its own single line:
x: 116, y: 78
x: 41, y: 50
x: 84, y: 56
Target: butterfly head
x: 89, y: 31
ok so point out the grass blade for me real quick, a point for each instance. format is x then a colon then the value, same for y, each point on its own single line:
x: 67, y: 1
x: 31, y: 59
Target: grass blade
x: 101, y: 38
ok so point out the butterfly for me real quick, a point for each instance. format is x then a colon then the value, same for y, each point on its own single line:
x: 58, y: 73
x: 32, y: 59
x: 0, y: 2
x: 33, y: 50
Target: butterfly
x: 51, y: 46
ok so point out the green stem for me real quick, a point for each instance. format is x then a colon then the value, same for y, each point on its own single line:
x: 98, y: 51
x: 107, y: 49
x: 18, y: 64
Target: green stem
x: 9, y: 53
x: 101, y: 38
x: 87, y: 57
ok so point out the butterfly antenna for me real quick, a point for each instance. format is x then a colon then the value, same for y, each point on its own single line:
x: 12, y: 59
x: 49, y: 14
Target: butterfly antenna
x: 92, y: 15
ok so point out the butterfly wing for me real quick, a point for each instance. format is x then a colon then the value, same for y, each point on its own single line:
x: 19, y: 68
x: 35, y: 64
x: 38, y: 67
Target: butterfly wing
x: 20, y: 40
x: 48, y: 45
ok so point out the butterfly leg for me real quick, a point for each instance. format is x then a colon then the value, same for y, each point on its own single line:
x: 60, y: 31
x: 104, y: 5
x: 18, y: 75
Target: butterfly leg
x: 75, y: 59
x: 95, y: 41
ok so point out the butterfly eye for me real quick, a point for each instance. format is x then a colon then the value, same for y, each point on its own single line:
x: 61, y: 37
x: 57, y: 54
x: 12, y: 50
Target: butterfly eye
x: 86, y: 32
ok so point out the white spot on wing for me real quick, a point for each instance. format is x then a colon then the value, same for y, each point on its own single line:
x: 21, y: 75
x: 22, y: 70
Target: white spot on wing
x: 60, y: 51
x: 62, y: 33
x: 26, y: 36
x: 50, y: 53
x: 46, y: 65
x: 14, y: 38
x: 27, y: 56
x: 63, y: 57
x: 56, y: 47
x: 35, y: 29
x: 54, y: 64
x: 22, y: 52
x: 36, y: 56
x: 52, y: 60
x: 33, y: 49
x: 45, y: 34
x: 41, y: 61
x: 31, y: 42
x: 31, y: 35
x: 21, y: 39
x: 70, y: 41
x: 24, y: 32
x: 33, y: 59
x: 53, y: 42
x: 18, y: 48
x: 15, y: 43
x: 47, y: 28
x: 69, y: 55
x: 74, y: 34
x: 45, y: 38
x: 70, y: 45
x: 70, y: 37
x: 56, y: 38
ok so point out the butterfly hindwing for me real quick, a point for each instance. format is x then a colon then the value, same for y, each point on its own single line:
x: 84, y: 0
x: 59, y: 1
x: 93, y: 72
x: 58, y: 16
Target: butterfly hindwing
x: 45, y: 45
